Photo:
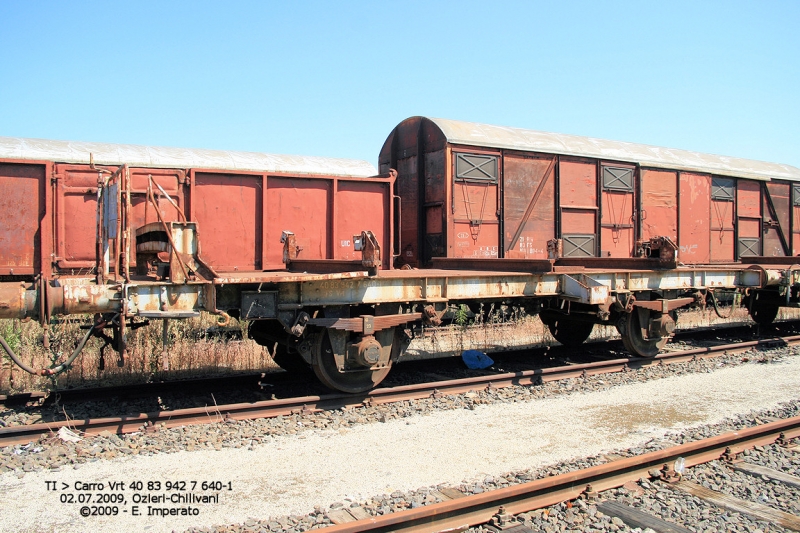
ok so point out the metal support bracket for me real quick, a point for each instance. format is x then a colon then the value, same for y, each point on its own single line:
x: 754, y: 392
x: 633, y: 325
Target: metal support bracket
x: 664, y: 305
x: 290, y: 248
x: 367, y: 244
x: 584, y: 289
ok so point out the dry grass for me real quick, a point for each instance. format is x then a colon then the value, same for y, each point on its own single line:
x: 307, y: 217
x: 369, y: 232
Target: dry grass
x: 522, y: 332
x: 193, y: 354
x: 190, y: 353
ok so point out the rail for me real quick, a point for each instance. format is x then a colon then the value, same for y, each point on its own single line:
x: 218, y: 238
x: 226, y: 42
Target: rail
x: 461, y: 513
x: 308, y: 404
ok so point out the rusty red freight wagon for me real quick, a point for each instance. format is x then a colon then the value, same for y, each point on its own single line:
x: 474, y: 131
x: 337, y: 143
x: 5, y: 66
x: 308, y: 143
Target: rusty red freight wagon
x: 479, y: 191
x: 579, y: 231
x: 241, y: 203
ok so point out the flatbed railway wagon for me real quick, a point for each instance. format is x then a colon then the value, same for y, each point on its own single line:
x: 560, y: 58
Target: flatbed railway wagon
x: 315, y: 252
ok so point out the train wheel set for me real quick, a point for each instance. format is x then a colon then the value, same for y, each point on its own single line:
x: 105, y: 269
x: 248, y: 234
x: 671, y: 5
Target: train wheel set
x: 335, y: 265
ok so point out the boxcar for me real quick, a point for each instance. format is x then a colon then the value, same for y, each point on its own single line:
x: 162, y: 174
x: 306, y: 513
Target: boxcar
x: 478, y: 191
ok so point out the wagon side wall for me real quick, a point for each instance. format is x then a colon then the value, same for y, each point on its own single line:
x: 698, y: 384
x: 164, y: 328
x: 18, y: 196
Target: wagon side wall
x: 48, y: 215
x: 598, y: 208
x: 26, y: 230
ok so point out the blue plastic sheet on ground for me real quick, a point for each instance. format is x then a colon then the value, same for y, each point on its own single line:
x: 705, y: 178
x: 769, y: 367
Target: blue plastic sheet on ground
x: 476, y: 360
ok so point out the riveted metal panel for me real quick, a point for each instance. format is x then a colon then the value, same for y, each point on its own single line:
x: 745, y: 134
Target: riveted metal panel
x: 574, y: 221
x: 660, y: 204
x: 577, y: 184
x: 76, y: 216
x: 722, y: 220
x: 529, y: 220
x: 475, y: 240
x: 435, y: 199
x: 434, y: 220
x: 22, y: 206
x: 361, y: 205
x: 301, y: 206
x: 722, y: 245
x: 750, y: 227
x: 222, y: 202
x: 408, y: 189
x: 475, y: 208
x: 578, y: 206
x: 478, y: 167
x: 434, y: 177
x: 748, y: 199
x: 695, y: 218
x: 76, y: 209
x: 617, y: 224
x: 795, y: 219
x: 776, y: 210
x: 748, y: 220
x: 434, y: 245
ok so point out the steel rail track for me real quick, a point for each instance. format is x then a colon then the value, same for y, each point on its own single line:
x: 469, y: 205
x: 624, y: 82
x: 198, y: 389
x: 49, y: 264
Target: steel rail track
x: 133, y: 390
x: 308, y: 404
x: 458, y: 514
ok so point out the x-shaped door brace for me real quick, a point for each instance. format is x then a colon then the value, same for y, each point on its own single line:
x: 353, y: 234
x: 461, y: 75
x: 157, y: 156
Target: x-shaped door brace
x: 748, y: 247
x: 580, y: 243
x: 475, y: 166
x: 618, y: 180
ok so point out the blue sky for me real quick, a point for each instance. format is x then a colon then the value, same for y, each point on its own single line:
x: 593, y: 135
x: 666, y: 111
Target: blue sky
x: 333, y: 78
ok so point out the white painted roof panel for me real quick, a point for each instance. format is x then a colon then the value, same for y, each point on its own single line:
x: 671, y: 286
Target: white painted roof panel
x: 470, y: 133
x: 161, y: 157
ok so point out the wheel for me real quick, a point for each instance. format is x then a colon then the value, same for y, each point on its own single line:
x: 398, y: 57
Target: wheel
x: 290, y: 362
x: 629, y: 327
x: 763, y: 309
x: 764, y: 315
x: 568, y: 332
x: 269, y: 334
x: 324, y: 365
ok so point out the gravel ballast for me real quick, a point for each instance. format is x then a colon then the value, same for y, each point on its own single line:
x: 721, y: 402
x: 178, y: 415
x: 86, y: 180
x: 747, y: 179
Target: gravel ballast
x: 286, y: 474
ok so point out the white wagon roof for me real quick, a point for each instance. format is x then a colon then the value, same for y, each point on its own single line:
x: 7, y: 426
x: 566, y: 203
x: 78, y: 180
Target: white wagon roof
x: 470, y: 133
x: 160, y: 157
